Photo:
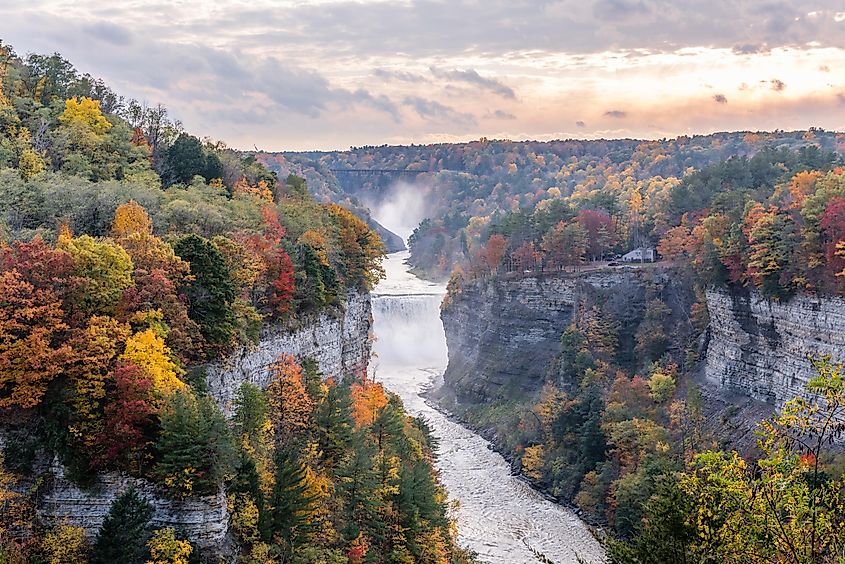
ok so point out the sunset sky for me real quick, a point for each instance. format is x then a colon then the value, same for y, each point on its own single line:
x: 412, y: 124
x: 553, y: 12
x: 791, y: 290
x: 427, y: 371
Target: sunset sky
x: 327, y: 74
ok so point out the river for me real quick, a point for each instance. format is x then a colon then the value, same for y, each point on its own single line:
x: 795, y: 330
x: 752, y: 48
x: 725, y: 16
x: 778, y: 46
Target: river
x: 499, y: 516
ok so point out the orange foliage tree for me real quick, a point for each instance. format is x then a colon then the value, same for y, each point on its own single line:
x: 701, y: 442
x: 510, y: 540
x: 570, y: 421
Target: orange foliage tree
x: 368, y: 399
x: 30, y: 327
x: 290, y: 405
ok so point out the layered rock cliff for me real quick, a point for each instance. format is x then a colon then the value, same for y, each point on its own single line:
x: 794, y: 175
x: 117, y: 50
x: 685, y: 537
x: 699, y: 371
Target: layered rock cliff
x: 339, y: 343
x: 762, y: 348
x: 503, y: 333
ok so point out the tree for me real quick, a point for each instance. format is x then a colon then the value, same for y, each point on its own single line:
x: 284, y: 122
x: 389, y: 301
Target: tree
x: 565, y: 244
x: 211, y: 293
x: 368, y: 399
x: 105, y: 270
x: 675, y: 244
x: 125, y: 531
x: 292, y: 501
x: 131, y: 219
x: 494, y: 251
x: 66, y: 544
x: 186, y: 159
x: 195, y: 446
x: 128, y: 425
x: 146, y: 350
x: 165, y: 548
x: 290, y: 405
x: 31, y: 352
x: 601, y: 232
x: 84, y: 114
x: 361, y: 248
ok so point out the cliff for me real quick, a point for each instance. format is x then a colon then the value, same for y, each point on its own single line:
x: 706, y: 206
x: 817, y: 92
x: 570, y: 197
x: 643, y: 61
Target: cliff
x: 503, y: 333
x: 204, y: 520
x: 340, y: 345
x: 762, y: 348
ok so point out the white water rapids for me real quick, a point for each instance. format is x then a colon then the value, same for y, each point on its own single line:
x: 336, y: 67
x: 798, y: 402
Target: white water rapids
x: 500, y: 517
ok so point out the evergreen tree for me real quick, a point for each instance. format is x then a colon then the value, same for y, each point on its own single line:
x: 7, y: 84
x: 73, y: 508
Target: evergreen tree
x: 293, y: 503
x: 125, y: 531
x: 185, y: 159
x: 195, y: 445
x: 212, y: 292
x: 334, y: 423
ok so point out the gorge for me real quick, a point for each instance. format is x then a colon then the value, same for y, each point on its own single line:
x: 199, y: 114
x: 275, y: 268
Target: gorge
x: 499, y: 516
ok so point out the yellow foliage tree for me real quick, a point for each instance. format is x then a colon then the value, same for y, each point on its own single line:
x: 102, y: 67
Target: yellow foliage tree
x: 165, y: 548
x: 84, y: 113
x: 288, y: 400
x: 30, y: 164
x: 65, y: 545
x: 147, y: 350
x: 131, y: 218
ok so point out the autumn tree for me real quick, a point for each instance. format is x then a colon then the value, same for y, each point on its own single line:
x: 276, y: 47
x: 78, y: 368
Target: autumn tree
x: 675, y: 243
x: 494, y: 251
x: 105, y: 270
x: 601, y: 232
x: 131, y: 219
x: 290, y: 405
x: 565, y: 244
x: 31, y: 350
x: 166, y: 548
x: 128, y: 431
x: 361, y: 247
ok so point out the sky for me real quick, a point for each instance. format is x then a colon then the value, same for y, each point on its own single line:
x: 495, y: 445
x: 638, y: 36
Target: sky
x: 330, y: 74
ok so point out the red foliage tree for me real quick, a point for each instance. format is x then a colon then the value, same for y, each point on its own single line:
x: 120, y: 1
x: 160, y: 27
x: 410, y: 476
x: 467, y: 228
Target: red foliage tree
x: 129, y: 420
x: 832, y: 225
x: 494, y: 251
x: 601, y: 233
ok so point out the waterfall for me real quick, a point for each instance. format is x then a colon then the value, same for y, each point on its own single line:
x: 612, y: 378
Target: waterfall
x: 409, y: 330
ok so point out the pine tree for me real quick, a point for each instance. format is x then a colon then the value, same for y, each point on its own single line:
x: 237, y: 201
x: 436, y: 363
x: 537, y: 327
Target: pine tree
x: 195, y: 445
x: 293, y: 503
x: 211, y: 294
x: 125, y: 531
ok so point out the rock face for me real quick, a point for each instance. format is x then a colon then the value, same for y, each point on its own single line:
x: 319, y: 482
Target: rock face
x: 503, y: 333
x: 340, y: 345
x: 204, y: 520
x: 762, y: 348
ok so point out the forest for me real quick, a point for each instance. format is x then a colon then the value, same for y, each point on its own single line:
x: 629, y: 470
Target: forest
x: 619, y: 429
x: 132, y: 253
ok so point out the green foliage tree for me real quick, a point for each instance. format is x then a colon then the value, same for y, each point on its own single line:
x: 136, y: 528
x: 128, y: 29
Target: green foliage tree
x: 293, y: 502
x: 211, y: 293
x: 195, y: 447
x: 125, y: 531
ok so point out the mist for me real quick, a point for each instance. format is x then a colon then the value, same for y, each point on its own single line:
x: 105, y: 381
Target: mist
x: 403, y: 209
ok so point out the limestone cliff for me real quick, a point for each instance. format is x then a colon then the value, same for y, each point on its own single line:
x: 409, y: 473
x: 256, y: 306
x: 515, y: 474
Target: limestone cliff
x: 503, y: 333
x: 762, y: 348
x: 340, y: 344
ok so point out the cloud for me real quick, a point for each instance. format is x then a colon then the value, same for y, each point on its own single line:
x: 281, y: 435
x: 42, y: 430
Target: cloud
x: 109, y: 33
x: 499, y: 114
x: 748, y: 49
x: 434, y: 110
x: 580, y: 123
x: 720, y: 99
x: 398, y: 75
x: 471, y: 76
x: 777, y: 85
x: 616, y: 114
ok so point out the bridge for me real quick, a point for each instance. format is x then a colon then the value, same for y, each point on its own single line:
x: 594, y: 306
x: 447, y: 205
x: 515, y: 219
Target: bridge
x: 377, y: 171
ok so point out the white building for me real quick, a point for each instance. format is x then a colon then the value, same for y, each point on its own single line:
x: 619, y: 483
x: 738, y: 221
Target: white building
x: 641, y: 254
